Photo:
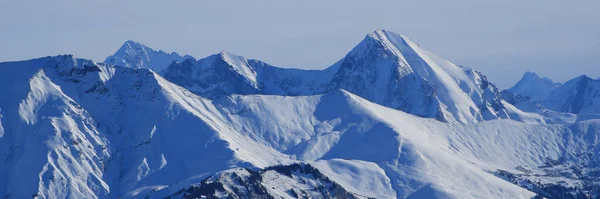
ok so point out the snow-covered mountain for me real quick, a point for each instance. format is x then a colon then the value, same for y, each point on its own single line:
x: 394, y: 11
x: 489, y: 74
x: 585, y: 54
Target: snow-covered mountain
x: 76, y: 129
x: 534, y: 87
x: 580, y: 95
x: 135, y: 55
x: 225, y: 126
x: 385, y: 68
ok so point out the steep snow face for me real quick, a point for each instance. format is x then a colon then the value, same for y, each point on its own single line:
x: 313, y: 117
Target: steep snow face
x: 376, y: 70
x: 534, y: 87
x: 385, y: 68
x: 49, y: 142
x: 136, y: 55
x: 580, y: 96
x: 417, y: 81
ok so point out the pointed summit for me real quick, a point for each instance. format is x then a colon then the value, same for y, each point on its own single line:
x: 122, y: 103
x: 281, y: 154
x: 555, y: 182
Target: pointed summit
x: 136, y: 55
x: 390, y: 62
x: 534, y: 87
x: 381, y: 42
x: 531, y: 75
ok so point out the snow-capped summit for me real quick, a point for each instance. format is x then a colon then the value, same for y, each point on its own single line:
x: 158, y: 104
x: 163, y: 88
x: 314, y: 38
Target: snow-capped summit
x: 534, y: 87
x: 579, y: 95
x: 392, y: 70
x: 136, y: 55
x: 377, y: 70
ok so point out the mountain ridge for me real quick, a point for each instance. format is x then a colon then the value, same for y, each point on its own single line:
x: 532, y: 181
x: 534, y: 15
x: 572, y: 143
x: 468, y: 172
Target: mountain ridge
x: 136, y: 55
x: 534, y: 87
x: 406, y: 78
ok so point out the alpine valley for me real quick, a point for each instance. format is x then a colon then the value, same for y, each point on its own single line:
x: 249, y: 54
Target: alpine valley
x: 388, y: 120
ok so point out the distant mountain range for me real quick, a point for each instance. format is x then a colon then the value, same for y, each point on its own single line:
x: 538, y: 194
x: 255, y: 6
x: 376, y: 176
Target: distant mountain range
x: 388, y: 120
x: 580, y: 95
x: 385, y: 68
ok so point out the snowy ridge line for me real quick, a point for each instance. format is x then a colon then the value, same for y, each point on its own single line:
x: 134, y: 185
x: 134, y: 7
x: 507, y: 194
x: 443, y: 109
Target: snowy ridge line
x: 385, y: 68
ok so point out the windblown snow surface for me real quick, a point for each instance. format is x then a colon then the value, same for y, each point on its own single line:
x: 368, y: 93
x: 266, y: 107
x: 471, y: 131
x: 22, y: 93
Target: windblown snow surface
x: 72, y: 128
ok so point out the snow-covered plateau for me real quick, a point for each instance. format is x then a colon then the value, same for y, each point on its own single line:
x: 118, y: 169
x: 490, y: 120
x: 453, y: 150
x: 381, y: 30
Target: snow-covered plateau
x: 389, y: 120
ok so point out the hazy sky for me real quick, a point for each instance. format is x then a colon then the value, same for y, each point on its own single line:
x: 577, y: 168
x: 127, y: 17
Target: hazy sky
x: 503, y: 39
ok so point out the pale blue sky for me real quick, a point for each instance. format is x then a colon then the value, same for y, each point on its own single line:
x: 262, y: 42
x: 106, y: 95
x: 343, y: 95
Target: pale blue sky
x: 503, y: 39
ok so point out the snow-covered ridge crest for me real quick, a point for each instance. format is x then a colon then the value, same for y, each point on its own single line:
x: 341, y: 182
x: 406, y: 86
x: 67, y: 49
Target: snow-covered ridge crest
x: 136, y: 55
x: 385, y: 68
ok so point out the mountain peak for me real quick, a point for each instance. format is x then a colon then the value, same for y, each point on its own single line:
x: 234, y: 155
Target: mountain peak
x: 130, y: 43
x: 533, y: 86
x: 133, y: 54
x: 379, y: 43
x: 386, y: 37
x: 381, y: 33
x: 384, y: 60
x: 131, y: 46
x: 583, y: 77
x: 531, y: 75
x: 378, y: 33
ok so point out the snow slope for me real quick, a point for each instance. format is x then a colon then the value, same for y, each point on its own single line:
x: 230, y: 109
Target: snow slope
x: 420, y: 156
x: 135, y: 55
